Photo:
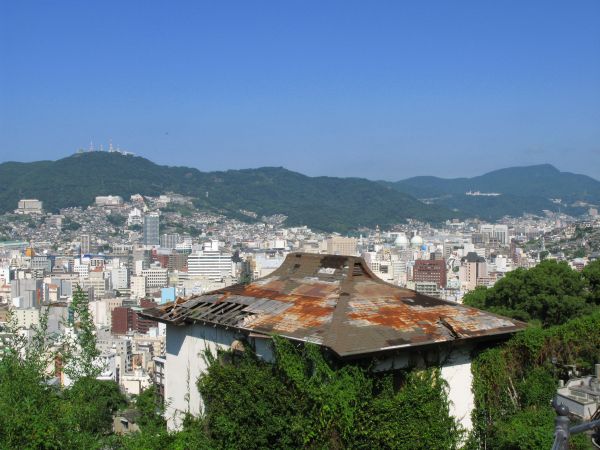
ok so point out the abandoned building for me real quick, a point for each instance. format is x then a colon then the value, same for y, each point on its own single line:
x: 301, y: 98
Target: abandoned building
x: 335, y: 302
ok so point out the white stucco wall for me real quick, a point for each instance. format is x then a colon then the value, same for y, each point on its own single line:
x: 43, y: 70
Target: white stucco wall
x: 186, y: 346
x: 185, y: 362
x: 456, y: 370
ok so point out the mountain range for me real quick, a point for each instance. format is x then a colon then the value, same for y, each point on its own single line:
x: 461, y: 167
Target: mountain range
x: 325, y: 203
x: 529, y: 189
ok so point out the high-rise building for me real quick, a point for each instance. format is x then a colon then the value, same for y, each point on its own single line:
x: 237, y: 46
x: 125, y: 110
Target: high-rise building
x: 84, y: 244
x: 431, y: 271
x: 169, y: 240
x: 125, y: 319
x: 151, y: 229
x: 472, y: 267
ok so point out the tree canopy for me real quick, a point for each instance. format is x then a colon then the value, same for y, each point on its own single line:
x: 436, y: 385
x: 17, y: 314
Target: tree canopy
x: 551, y: 293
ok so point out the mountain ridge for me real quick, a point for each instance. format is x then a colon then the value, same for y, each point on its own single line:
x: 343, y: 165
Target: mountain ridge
x: 523, y: 189
x: 322, y: 202
x: 326, y: 203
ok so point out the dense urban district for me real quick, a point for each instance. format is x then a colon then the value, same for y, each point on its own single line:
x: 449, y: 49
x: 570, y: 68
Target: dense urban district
x: 163, y: 321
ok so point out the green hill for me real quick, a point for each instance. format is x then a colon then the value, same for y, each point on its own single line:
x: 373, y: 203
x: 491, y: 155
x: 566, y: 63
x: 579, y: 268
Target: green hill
x: 524, y: 190
x: 324, y: 203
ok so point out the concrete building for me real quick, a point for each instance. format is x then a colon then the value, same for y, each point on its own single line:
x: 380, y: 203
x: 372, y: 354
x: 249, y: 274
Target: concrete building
x: 109, y: 200
x: 138, y: 286
x: 125, y: 319
x: 428, y: 270
x: 337, y: 303
x: 472, y: 267
x: 490, y: 232
x: 29, y: 206
x: 156, y: 278
x: 151, y: 229
x: 84, y: 244
x: 210, y: 263
x: 339, y: 245
x: 119, y: 278
x: 26, y: 317
x: 169, y: 240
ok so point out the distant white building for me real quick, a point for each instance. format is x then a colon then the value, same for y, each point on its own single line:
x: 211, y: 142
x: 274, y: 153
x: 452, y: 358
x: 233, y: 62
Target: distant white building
x: 156, y: 277
x: 135, y: 217
x: 210, y: 263
x: 498, y: 232
x: 29, y: 206
x: 109, y: 200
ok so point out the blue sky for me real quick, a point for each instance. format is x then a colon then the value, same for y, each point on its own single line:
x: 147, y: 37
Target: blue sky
x: 384, y: 90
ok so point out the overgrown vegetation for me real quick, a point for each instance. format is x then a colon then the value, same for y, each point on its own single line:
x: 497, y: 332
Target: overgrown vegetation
x: 35, y: 413
x: 514, y: 384
x: 304, y: 401
x: 550, y: 293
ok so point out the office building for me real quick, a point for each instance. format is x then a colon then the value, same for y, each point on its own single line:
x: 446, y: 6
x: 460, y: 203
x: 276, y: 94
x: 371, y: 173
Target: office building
x: 210, y: 263
x: 430, y: 271
x: 151, y: 229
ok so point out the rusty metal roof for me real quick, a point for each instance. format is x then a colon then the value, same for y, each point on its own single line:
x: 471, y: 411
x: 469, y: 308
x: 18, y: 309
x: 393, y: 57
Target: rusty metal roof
x: 337, y: 302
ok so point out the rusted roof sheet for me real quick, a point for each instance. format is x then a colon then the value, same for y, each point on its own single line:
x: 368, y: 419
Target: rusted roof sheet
x: 337, y: 302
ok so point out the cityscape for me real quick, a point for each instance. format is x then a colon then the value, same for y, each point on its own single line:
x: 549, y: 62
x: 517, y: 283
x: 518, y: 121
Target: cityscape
x: 316, y: 225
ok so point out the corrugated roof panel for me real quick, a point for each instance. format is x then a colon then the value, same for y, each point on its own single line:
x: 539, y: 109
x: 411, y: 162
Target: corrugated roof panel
x: 336, y: 301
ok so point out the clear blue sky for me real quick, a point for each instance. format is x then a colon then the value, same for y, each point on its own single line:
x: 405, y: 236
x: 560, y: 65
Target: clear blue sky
x: 375, y: 89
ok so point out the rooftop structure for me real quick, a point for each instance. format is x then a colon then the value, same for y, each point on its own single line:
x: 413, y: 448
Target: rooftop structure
x: 336, y: 302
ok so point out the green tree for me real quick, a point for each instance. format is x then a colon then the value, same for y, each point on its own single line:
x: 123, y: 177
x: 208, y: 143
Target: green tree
x: 303, y: 400
x: 550, y: 292
x: 82, y: 354
x: 591, y: 274
x: 151, y: 409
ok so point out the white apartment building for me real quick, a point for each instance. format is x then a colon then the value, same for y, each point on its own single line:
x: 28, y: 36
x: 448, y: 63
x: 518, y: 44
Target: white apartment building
x: 81, y: 268
x: 119, y: 277
x: 29, y: 206
x: 499, y: 232
x: 26, y: 317
x: 109, y: 200
x: 138, y: 286
x: 156, y: 278
x: 210, y: 263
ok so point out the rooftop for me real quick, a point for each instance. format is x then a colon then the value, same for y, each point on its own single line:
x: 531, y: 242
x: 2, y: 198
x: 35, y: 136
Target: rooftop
x: 336, y: 302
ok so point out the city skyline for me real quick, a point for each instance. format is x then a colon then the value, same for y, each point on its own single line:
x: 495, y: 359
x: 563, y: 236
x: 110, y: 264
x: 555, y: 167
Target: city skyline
x: 334, y: 89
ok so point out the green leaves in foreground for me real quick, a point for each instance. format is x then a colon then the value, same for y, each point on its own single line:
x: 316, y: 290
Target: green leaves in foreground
x: 302, y: 400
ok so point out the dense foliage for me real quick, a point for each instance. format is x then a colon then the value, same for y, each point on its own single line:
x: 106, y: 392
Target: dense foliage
x: 514, y: 384
x: 302, y: 400
x: 35, y: 413
x: 326, y: 203
x: 551, y: 293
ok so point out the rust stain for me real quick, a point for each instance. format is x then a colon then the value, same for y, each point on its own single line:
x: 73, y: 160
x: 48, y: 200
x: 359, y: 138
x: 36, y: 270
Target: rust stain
x: 335, y: 308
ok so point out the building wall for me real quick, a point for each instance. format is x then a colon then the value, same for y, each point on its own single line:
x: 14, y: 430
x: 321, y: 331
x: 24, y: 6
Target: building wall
x: 456, y: 370
x: 184, y: 364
